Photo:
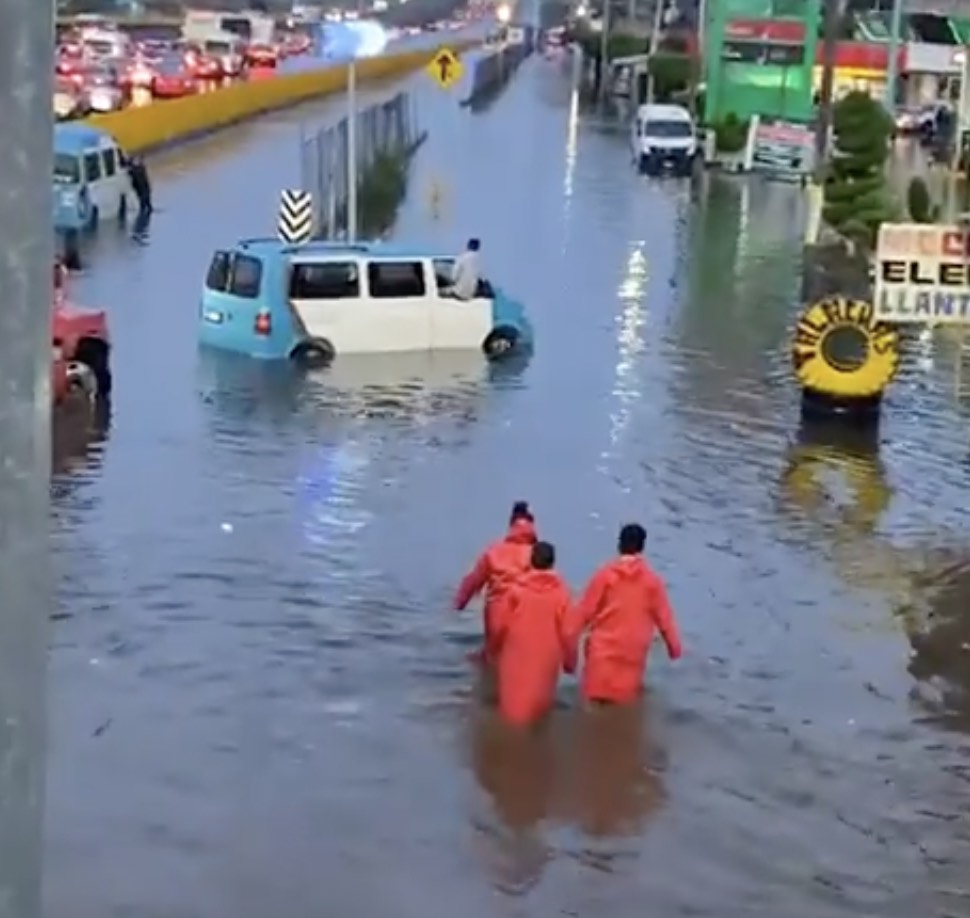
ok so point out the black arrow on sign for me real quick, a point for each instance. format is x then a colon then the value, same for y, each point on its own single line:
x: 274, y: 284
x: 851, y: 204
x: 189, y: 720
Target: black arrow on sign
x: 444, y: 67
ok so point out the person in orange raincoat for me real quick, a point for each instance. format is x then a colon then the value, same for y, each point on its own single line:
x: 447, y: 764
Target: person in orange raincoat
x: 624, y: 606
x: 530, y: 640
x: 496, y: 570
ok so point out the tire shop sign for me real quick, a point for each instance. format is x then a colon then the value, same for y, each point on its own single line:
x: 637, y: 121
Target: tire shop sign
x: 923, y: 274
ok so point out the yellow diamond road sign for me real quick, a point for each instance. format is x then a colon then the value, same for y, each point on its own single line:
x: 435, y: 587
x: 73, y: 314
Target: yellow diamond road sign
x: 445, y: 68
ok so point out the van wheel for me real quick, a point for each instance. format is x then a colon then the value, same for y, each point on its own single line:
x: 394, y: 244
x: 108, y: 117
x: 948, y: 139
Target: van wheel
x: 123, y: 208
x: 95, y: 355
x: 643, y: 164
x: 314, y: 352
x: 93, y: 219
x: 500, y: 342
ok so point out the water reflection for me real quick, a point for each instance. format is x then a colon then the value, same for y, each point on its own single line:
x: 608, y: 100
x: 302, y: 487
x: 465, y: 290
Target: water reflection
x: 519, y: 771
x: 597, y: 771
x: 941, y: 649
x: 616, y: 770
x: 78, y: 431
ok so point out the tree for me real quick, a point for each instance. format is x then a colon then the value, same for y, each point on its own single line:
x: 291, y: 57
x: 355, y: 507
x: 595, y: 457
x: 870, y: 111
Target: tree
x: 856, y: 197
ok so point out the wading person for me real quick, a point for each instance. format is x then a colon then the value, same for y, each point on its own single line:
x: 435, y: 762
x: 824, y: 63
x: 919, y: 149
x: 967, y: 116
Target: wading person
x: 624, y: 606
x: 140, y: 184
x: 495, y: 571
x: 530, y: 640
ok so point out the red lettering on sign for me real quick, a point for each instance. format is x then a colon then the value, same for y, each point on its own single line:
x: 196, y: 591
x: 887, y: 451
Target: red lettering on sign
x: 956, y: 244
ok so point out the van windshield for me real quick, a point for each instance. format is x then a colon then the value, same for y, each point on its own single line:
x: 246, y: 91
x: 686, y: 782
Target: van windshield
x: 67, y: 169
x: 668, y: 128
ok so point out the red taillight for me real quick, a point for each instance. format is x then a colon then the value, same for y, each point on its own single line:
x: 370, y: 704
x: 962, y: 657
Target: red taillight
x: 263, y: 324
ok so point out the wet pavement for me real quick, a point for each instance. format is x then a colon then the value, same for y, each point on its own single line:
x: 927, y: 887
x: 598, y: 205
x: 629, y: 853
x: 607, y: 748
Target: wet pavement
x: 261, y: 700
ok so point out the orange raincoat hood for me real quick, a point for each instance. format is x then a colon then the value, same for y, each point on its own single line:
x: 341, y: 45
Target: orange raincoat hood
x: 521, y: 532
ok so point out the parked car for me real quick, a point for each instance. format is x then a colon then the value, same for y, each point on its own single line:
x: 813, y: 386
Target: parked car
x: 172, y: 79
x: 139, y: 73
x: 262, y: 56
x: 69, y: 100
x: 229, y: 54
x: 102, y: 89
x: 200, y: 65
x: 80, y: 347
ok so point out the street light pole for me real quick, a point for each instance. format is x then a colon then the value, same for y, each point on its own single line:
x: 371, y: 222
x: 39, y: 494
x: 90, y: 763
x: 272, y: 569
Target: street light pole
x: 352, y: 177
x: 604, y: 50
x: 831, y: 12
x: 892, y: 67
x: 26, y: 260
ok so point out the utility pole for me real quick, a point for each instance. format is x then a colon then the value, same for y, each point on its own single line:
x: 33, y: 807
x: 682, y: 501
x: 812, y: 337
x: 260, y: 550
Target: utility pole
x: 604, y: 50
x: 831, y: 17
x: 892, y: 68
x: 26, y: 282
x: 655, y: 29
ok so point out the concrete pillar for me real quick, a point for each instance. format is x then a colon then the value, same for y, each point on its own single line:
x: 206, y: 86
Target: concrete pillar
x: 26, y: 256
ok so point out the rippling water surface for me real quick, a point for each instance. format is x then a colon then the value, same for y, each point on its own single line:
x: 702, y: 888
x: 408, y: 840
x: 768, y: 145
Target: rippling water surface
x: 261, y: 699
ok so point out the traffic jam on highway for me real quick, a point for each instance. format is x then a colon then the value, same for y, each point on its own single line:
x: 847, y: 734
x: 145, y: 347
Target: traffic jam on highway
x: 99, y: 68
x: 104, y: 72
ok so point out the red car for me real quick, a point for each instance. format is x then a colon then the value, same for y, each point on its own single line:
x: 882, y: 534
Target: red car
x: 139, y: 74
x: 172, y: 80
x: 81, y: 349
x: 262, y: 56
x: 203, y: 66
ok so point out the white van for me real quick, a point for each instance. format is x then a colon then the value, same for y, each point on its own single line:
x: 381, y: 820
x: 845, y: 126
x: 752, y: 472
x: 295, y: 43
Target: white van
x: 91, y: 180
x: 663, y: 138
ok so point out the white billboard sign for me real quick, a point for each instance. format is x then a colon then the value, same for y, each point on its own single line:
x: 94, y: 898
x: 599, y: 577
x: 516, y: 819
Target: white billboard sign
x: 923, y: 274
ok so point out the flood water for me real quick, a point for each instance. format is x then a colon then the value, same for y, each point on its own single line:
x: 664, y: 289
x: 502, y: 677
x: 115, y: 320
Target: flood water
x: 261, y: 703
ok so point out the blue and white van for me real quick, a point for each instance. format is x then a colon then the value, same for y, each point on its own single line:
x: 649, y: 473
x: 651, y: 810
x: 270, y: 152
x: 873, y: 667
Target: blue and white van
x: 90, y: 178
x: 312, y: 302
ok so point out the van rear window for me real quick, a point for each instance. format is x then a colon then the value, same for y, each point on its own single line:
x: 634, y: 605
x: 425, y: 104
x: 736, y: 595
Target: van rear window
x: 67, y: 169
x: 328, y: 280
x: 218, y: 275
x: 246, y: 276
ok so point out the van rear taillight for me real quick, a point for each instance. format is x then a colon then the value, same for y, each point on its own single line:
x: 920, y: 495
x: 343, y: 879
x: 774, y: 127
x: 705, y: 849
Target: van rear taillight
x: 263, y: 324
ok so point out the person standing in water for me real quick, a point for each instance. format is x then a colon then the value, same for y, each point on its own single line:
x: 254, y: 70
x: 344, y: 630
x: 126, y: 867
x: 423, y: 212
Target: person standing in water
x: 495, y: 572
x: 530, y: 640
x: 623, y: 607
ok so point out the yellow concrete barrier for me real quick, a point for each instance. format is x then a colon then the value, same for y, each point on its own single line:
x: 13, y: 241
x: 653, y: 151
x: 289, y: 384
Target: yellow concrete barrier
x: 140, y: 130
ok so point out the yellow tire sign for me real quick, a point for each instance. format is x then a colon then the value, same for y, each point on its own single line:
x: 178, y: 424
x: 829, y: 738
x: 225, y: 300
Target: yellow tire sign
x: 842, y: 351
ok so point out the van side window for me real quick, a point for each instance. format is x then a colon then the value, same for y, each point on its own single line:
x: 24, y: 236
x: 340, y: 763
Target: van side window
x: 92, y: 167
x: 218, y: 275
x: 444, y: 273
x: 246, y: 276
x: 108, y: 161
x: 396, y: 279
x: 325, y: 280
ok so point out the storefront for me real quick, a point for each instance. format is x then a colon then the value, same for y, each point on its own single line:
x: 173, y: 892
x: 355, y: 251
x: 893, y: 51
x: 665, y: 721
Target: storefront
x: 861, y: 66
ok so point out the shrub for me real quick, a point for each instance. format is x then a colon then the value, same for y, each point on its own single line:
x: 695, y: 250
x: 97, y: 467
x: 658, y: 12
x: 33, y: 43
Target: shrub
x: 731, y: 134
x: 856, y: 199
x: 919, y: 202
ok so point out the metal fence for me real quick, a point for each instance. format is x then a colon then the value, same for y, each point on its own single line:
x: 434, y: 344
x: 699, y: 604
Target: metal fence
x: 386, y: 129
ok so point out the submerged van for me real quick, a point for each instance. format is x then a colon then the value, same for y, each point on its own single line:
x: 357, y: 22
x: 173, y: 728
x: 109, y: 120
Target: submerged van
x: 90, y: 178
x: 313, y: 302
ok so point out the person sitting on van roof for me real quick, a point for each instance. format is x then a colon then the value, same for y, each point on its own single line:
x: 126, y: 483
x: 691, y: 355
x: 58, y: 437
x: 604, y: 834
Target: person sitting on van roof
x: 465, y: 275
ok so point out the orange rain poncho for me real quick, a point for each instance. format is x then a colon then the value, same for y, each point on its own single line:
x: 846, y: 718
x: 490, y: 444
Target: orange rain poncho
x: 530, y: 644
x: 495, y: 571
x: 624, y: 606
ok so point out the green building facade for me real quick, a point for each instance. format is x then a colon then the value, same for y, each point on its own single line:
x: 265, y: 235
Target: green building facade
x: 768, y: 72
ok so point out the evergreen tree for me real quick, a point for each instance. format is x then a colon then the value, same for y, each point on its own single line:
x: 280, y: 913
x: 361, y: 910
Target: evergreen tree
x: 856, y: 195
